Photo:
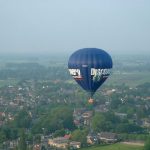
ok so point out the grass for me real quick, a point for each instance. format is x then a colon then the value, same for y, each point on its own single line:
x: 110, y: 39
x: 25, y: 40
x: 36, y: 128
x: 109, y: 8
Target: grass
x: 118, y: 146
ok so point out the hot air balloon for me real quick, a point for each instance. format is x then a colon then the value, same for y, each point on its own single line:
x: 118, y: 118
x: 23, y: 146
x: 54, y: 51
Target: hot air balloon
x: 90, y: 67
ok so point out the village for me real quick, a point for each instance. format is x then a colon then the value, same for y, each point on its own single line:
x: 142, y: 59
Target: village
x: 14, y: 99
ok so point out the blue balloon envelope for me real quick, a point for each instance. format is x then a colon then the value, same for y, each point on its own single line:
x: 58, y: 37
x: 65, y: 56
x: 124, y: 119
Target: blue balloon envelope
x: 90, y: 67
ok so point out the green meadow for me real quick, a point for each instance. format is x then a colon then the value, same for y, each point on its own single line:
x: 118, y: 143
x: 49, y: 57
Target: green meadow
x: 118, y: 146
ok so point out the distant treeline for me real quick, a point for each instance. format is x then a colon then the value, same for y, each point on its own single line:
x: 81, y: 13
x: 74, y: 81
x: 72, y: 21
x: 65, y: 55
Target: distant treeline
x: 129, y: 67
x: 27, y: 71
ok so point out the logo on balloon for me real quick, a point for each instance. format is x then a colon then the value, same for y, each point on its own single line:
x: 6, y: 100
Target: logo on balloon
x: 99, y: 73
x: 76, y: 74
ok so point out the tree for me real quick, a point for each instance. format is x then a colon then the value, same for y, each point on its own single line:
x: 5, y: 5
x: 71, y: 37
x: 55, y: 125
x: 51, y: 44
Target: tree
x: 23, y: 119
x: 43, y: 147
x: 80, y: 135
x: 59, y: 133
x: 98, y: 122
x: 128, y: 128
x: 64, y: 115
x: 2, y: 136
x: 115, y: 102
x: 22, y: 142
x: 57, y: 119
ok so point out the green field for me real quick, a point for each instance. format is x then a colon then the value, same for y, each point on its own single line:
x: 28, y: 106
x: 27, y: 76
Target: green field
x: 8, y: 82
x: 117, y: 146
x: 131, y: 79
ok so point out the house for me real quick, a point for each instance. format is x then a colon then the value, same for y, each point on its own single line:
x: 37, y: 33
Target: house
x: 10, y: 117
x: 108, y: 137
x: 13, y: 144
x: 2, y: 114
x: 87, y: 117
x: 121, y: 115
x: 109, y: 92
x: 37, y: 147
x: 75, y: 145
x: 101, y: 108
x: 1, y: 123
x: 78, y: 112
x: 59, y: 142
x: 87, y: 114
x: 67, y: 136
x: 77, y: 122
x: 146, y: 122
x: 92, y: 139
x: 148, y: 98
x: 82, y: 117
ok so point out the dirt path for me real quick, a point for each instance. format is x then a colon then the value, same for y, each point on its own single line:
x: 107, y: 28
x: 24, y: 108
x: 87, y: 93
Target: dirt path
x: 134, y: 143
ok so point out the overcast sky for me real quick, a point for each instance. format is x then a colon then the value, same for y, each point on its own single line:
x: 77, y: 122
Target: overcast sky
x: 46, y: 26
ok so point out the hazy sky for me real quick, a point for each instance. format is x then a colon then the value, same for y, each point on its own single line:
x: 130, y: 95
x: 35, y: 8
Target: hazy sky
x: 45, y: 26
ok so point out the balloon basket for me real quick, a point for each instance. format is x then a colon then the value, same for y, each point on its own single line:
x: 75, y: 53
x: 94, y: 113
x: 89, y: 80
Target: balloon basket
x: 91, y: 101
